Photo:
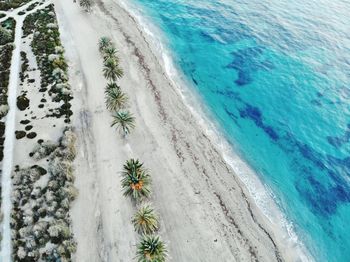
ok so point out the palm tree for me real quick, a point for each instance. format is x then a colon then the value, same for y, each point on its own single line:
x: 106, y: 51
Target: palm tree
x: 145, y: 220
x: 124, y: 121
x: 104, y: 42
x: 151, y: 249
x: 115, y: 99
x: 136, y: 181
x: 110, y: 52
x: 86, y: 4
x: 111, y: 70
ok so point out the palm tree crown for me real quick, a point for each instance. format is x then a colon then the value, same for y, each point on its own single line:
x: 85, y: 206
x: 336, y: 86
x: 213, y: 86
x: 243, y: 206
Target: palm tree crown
x: 115, y: 99
x: 103, y: 43
x: 111, y: 69
x: 145, y: 220
x: 151, y: 249
x: 112, y: 85
x: 110, y: 52
x: 124, y: 121
x: 86, y: 4
x: 135, y: 182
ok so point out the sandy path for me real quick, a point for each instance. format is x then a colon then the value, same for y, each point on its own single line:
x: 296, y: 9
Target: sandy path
x: 206, y: 212
x: 100, y: 201
x: 9, y: 142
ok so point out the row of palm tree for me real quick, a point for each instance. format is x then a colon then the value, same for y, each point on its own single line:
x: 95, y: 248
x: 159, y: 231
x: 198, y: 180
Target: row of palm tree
x: 116, y: 100
x: 136, y: 181
x: 136, y: 184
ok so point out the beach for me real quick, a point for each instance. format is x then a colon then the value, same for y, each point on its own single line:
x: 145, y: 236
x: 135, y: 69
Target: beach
x: 207, y: 213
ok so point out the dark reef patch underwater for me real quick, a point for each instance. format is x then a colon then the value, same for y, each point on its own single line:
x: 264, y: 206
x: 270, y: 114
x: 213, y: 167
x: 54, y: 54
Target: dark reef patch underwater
x: 276, y: 75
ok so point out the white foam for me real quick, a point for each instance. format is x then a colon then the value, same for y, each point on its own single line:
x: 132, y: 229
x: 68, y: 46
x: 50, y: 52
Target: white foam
x: 259, y: 192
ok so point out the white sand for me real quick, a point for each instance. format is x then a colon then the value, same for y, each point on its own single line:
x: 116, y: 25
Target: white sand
x: 206, y: 212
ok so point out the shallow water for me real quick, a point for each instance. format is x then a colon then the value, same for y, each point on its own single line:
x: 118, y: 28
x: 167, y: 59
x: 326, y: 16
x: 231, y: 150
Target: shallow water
x: 276, y: 75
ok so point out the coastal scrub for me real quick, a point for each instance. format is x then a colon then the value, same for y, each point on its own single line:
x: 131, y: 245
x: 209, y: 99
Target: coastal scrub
x: 42, y: 196
x: 49, y: 52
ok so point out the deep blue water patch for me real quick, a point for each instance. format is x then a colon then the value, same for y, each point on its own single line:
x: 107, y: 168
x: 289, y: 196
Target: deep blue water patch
x: 246, y: 62
x: 338, y: 141
x: 255, y: 115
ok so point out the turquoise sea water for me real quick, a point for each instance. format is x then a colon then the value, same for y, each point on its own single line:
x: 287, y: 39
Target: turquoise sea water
x: 276, y: 75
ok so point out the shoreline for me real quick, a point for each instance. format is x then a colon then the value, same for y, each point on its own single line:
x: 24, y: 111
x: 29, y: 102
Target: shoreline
x: 173, y: 144
x: 263, y: 197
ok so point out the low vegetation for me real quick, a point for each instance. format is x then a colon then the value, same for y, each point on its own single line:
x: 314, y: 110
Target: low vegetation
x: 49, y: 52
x: 5, y: 35
x: 7, y: 32
x: 42, y: 193
x: 42, y: 196
x: 9, y: 4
